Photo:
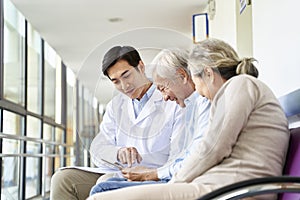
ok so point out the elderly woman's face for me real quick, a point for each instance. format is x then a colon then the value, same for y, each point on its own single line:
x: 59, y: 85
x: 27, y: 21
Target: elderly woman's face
x: 208, y: 83
x: 201, y: 86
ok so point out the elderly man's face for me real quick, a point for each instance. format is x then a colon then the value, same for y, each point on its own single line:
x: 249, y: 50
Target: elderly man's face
x: 171, y: 89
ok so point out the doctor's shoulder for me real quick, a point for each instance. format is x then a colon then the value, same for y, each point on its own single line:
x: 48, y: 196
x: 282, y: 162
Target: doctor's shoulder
x: 118, y: 99
x: 116, y: 103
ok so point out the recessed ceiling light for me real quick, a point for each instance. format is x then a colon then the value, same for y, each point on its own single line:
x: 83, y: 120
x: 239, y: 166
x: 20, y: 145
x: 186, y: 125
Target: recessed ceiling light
x: 115, y: 19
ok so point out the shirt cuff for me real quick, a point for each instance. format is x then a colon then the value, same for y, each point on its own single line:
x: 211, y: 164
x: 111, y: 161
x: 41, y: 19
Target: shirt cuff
x: 163, y: 172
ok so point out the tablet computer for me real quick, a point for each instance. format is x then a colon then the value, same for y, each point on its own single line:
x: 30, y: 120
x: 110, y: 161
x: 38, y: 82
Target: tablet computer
x: 112, y: 165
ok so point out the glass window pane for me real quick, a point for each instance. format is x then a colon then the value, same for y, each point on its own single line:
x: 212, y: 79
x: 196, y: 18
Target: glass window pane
x: 70, y: 159
x: 48, y: 133
x: 14, y: 44
x: 48, y: 149
x: 34, y: 70
x: 32, y: 177
x: 71, y: 117
x: 58, y: 90
x: 12, y: 124
x: 10, y: 178
x: 59, y: 150
x: 50, y: 80
x: 59, y: 135
x: 95, y: 115
x: 33, y: 163
x: 88, y: 126
x: 81, y: 126
x: 33, y: 127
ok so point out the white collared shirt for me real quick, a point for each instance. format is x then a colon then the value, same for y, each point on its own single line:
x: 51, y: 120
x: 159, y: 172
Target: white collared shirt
x: 196, y: 120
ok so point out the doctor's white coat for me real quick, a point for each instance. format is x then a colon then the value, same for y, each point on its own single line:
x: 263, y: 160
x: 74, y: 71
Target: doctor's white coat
x: 157, y: 132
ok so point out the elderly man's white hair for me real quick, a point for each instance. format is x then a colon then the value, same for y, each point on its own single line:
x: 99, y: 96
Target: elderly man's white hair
x: 166, y: 63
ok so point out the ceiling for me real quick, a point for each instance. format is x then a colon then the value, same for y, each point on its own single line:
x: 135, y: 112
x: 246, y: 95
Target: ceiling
x: 81, y: 31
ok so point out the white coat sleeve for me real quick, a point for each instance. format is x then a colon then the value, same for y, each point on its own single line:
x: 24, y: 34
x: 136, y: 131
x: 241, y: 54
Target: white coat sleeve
x: 230, y: 111
x: 104, y: 144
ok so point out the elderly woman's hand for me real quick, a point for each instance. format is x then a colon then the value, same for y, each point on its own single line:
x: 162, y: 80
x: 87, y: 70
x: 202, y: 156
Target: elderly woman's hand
x: 140, y: 173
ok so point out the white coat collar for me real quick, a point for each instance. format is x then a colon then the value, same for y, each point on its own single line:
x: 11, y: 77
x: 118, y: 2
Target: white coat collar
x: 150, y: 107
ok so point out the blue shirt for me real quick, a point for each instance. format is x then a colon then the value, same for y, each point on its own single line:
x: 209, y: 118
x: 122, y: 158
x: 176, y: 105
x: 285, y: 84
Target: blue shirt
x: 196, y: 119
x: 139, y: 104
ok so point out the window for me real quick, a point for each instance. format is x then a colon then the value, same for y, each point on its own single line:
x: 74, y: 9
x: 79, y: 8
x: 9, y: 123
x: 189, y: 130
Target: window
x: 71, y: 117
x: 33, y: 163
x: 38, y: 123
x: 34, y: 87
x: 13, y: 126
x: 59, y: 150
x: 14, y: 44
x: 48, y: 162
x: 50, y: 61
x: 88, y: 122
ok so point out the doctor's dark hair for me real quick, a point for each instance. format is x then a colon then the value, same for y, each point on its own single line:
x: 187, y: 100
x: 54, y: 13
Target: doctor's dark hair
x: 118, y: 53
x: 221, y: 57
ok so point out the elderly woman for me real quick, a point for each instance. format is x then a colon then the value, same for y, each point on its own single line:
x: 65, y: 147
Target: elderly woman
x: 247, y: 136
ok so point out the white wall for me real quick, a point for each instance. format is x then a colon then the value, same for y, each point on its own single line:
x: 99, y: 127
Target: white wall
x: 276, y: 42
x: 244, y: 31
x: 148, y: 41
x: 272, y: 36
x: 223, y: 25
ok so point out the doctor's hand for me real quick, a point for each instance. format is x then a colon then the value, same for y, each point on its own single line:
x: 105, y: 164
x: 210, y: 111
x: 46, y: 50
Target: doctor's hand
x: 140, y: 173
x: 129, y: 155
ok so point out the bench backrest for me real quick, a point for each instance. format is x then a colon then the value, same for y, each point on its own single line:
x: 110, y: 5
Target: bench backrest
x: 292, y: 165
x: 291, y: 106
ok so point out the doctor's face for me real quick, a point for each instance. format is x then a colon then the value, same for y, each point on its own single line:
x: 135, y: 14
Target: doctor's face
x: 127, y: 79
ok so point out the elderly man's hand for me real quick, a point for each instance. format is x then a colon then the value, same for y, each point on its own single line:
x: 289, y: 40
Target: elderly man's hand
x: 140, y: 173
x: 129, y: 155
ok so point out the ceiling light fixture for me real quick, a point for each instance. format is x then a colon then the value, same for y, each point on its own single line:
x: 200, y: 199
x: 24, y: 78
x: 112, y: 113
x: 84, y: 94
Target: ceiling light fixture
x: 115, y: 19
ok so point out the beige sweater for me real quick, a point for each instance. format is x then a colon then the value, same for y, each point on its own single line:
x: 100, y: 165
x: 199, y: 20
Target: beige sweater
x: 247, y: 137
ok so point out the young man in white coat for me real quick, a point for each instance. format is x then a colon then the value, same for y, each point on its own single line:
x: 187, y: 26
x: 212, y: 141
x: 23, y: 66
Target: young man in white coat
x: 142, y: 129
x: 173, y: 80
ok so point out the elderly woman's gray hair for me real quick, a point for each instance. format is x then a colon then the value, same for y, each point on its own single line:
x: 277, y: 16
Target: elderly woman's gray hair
x: 221, y: 57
